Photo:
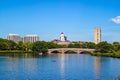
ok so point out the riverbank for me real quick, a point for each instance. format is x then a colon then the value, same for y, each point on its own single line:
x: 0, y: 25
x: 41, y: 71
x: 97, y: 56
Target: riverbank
x: 114, y: 54
x: 14, y: 51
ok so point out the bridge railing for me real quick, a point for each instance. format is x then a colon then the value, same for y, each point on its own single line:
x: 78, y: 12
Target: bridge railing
x: 73, y: 49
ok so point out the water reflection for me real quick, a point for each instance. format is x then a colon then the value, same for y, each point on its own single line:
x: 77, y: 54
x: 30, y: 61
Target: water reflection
x: 16, y: 66
x: 21, y: 55
x: 97, y: 67
x: 22, y: 65
x: 58, y: 67
x: 62, y: 62
x: 24, y: 55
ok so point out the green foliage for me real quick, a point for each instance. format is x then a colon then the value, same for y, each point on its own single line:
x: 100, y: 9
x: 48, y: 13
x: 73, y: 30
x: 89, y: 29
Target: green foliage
x: 3, y: 46
x: 116, y: 46
x: 115, y: 54
x: 11, y: 45
x: 40, y: 46
x: 104, y: 47
x: 51, y: 45
x: 7, y: 44
x: 90, y: 45
x: 75, y: 45
x: 28, y: 46
x: 21, y: 46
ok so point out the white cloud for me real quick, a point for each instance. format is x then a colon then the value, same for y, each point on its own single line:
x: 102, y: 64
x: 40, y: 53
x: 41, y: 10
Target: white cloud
x: 116, y: 20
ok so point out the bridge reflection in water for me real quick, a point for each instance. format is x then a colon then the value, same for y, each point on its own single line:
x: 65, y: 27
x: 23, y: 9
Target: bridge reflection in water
x: 77, y: 50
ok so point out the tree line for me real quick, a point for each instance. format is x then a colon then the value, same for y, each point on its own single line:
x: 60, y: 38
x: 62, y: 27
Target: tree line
x: 42, y: 46
x: 39, y: 46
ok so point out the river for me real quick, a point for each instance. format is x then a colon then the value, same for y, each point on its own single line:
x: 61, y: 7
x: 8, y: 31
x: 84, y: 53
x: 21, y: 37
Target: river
x: 59, y: 67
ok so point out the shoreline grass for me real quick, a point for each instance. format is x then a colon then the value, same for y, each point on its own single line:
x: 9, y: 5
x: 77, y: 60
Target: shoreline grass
x: 14, y: 51
x: 114, y: 54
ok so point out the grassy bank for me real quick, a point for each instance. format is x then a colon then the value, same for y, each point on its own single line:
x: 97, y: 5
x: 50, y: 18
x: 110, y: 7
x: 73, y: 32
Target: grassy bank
x: 14, y: 51
x: 114, y: 54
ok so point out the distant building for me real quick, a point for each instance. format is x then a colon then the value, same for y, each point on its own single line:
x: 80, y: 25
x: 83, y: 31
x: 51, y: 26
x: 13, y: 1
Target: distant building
x: 55, y: 41
x: 31, y: 38
x: 14, y: 37
x: 67, y: 42
x: 63, y: 40
x: 97, y: 35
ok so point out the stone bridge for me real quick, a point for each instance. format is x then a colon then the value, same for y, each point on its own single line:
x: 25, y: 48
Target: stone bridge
x: 77, y: 50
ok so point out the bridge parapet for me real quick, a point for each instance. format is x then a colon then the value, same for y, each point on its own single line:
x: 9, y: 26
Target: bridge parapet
x: 77, y: 50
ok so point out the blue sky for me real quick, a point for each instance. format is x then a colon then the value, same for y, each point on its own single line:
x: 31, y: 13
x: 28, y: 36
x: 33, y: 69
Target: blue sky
x: 48, y: 18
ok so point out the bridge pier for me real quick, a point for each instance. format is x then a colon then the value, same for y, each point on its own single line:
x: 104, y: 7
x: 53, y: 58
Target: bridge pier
x: 62, y: 51
x: 49, y: 52
x: 78, y: 51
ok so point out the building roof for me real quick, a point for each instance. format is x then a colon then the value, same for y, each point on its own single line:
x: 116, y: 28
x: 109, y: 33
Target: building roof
x: 13, y: 35
x: 31, y: 35
x: 62, y: 32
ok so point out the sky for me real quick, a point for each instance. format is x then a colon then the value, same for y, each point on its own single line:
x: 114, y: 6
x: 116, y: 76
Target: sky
x: 48, y: 18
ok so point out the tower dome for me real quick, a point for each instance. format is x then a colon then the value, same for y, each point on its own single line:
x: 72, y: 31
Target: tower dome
x: 62, y: 32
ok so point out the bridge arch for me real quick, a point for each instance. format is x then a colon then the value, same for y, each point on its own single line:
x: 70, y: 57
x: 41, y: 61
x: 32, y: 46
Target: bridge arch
x: 84, y: 52
x: 55, y: 51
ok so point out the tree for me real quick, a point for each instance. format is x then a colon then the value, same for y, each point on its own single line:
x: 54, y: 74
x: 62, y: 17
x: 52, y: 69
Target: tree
x: 83, y: 45
x: 116, y: 46
x: 3, y: 46
x: 21, y: 45
x: 12, y: 45
x: 51, y: 45
x: 90, y: 45
x: 28, y: 46
x: 70, y: 45
x: 40, y: 46
x: 104, y: 47
x: 74, y: 45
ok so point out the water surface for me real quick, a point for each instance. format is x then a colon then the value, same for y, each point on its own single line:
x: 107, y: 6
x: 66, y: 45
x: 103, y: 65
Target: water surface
x: 58, y: 67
